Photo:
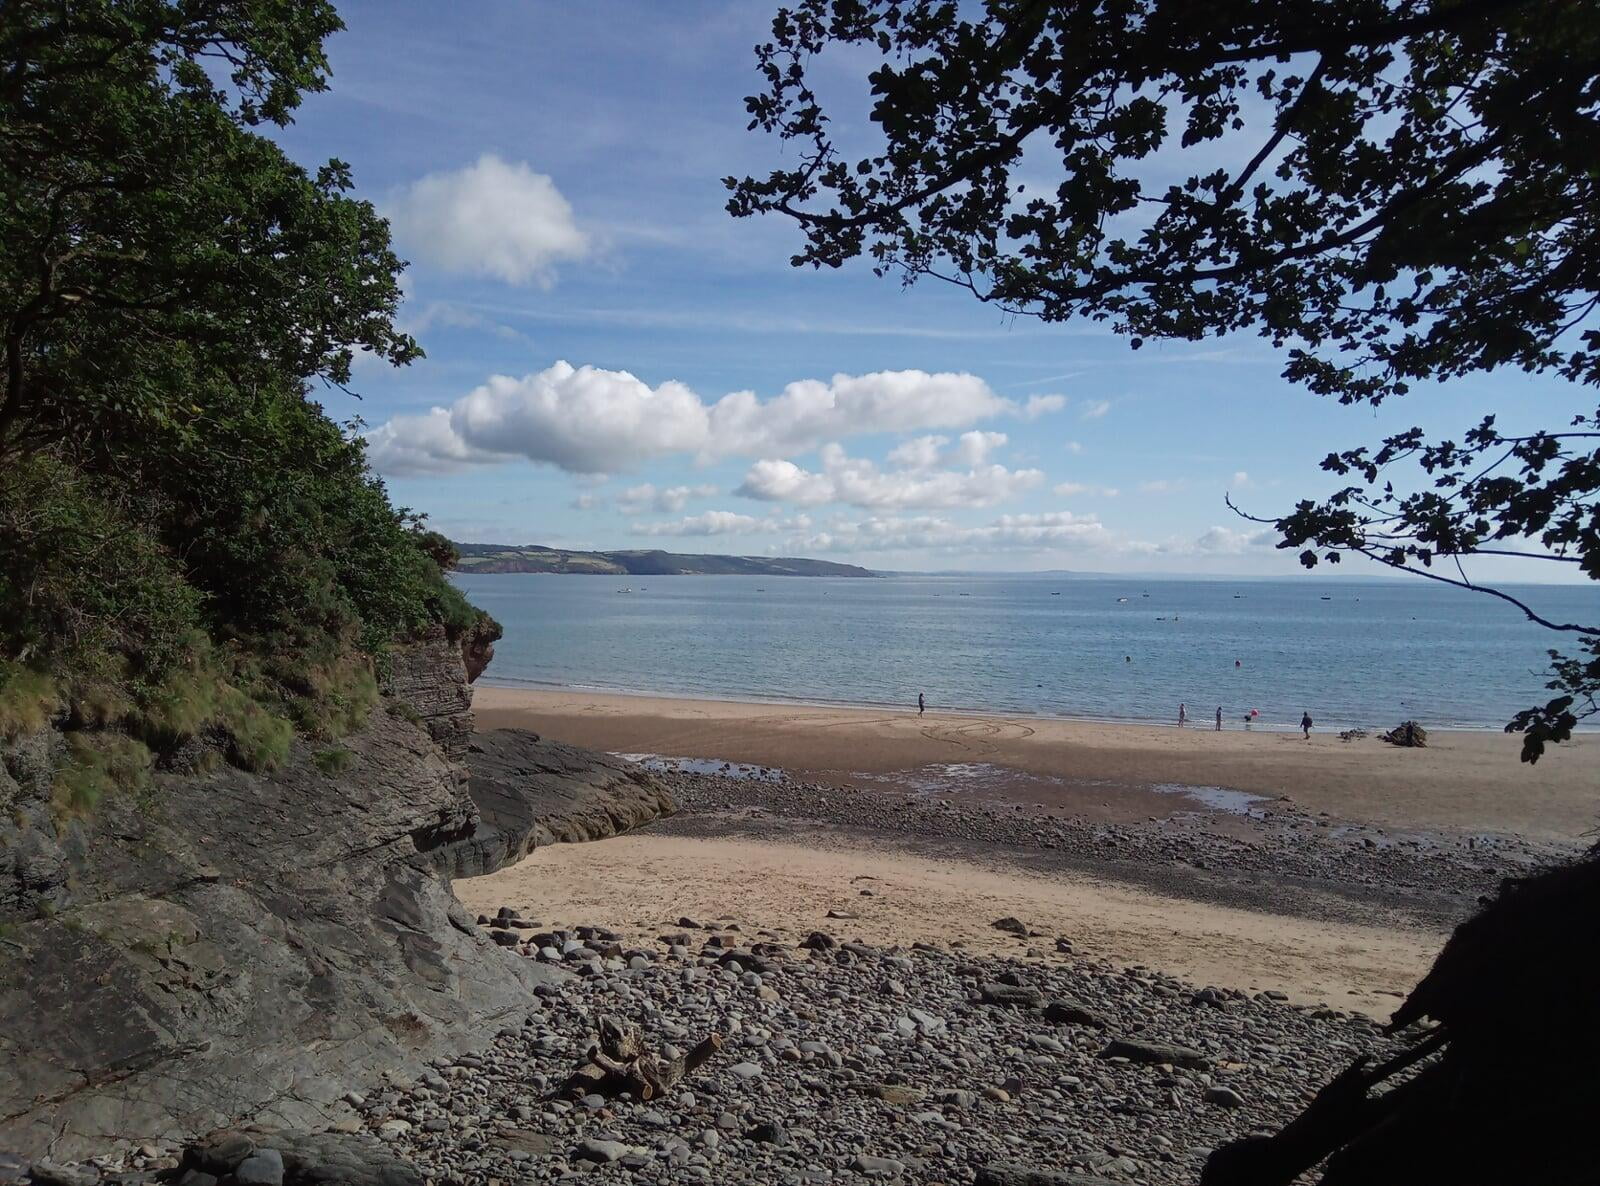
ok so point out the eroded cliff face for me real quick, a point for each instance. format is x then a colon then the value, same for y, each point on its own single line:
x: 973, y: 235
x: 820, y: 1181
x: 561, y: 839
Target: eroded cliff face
x: 248, y: 945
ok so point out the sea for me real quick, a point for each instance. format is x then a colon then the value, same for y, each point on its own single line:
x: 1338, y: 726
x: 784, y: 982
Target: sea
x: 1350, y: 652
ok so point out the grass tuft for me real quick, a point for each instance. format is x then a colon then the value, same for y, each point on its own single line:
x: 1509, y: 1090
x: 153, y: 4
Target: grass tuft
x: 28, y: 699
x: 99, y: 764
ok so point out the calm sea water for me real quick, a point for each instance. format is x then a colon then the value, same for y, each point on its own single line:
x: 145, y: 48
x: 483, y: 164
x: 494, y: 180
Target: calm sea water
x: 1349, y: 652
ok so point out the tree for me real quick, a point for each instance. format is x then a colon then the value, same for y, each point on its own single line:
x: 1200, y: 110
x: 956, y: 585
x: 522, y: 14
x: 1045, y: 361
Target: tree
x: 188, y: 543
x: 149, y: 237
x: 1411, y: 196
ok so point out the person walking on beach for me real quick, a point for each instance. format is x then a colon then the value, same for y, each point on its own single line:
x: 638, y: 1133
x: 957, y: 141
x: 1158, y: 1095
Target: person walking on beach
x: 922, y: 704
x: 1183, y: 715
x: 1305, y: 724
x: 1219, y: 718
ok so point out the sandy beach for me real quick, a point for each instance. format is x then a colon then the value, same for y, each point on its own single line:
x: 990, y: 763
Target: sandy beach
x: 1332, y: 928
x: 1467, y: 781
x: 640, y: 884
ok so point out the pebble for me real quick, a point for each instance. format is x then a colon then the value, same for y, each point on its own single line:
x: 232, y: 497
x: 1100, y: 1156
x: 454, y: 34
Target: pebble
x: 1069, y: 1063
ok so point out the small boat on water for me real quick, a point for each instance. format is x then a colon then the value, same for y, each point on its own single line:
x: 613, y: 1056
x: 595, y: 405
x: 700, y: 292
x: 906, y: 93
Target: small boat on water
x: 1121, y: 599
x: 1326, y: 599
x: 628, y: 590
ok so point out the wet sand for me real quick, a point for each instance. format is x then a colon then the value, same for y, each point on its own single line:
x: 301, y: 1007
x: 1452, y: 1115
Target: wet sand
x: 1463, y: 781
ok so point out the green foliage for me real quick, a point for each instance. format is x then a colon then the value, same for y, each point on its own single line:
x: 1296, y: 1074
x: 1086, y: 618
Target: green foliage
x: 188, y: 543
x: 146, y: 225
x: 98, y: 764
x: 81, y: 577
x: 1391, y: 191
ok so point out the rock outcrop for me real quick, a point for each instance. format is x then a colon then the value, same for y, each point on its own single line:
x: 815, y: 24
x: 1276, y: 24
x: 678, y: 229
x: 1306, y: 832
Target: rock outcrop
x: 432, y: 680
x: 255, y: 945
x: 530, y: 792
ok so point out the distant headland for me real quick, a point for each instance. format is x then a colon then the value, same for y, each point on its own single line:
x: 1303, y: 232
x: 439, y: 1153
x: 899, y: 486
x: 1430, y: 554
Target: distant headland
x: 497, y: 558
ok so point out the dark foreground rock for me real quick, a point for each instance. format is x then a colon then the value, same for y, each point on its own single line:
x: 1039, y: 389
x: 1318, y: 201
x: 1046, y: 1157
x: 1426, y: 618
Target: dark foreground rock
x: 274, y: 1157
x: 248, y: 1155
x: 236, y: 944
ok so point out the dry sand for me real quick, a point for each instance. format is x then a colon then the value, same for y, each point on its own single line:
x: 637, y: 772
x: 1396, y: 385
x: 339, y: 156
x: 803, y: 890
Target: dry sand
x: 1469, y: 781
x: 640, y: 884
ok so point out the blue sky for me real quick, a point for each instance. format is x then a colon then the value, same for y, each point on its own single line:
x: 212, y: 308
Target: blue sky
x: 591, y: 316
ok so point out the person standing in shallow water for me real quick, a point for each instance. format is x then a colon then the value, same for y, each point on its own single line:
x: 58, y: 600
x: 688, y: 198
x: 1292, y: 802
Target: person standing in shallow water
x: 922, y: 704
x: 1305, y: 724
x: 1183, y: 715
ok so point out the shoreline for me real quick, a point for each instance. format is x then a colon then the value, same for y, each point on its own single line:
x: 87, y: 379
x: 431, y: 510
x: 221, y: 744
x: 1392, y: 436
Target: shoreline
x: 1200, y: 723
x: 1467, y: 782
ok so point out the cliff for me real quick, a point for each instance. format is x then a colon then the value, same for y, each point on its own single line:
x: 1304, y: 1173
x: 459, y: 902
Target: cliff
x: 255, y: 945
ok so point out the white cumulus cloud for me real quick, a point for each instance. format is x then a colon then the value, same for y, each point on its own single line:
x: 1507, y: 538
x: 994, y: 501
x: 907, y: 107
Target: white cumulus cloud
x: 892, y: 533
x: 492, y: 218
x: 974, y: 447
x: 1042, y: 405
x: 591, y: 420
x: 859, y: 482
x: 672, y: 499
x: 917, y: 453
x: 709, y: 523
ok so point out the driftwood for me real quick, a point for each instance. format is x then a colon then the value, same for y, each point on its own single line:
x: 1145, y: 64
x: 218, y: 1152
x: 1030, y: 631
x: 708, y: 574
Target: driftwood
x: 618, y: 1063
x: 1502, y: 1089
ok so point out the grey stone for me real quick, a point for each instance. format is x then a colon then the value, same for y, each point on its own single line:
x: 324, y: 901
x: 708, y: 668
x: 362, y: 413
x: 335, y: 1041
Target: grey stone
x: 264, y: 1167
x: 1003, y: 1174
x: 53, y: 1173
x: 1011, y: 926
x: 877, y: 1167
x: 1019, y: 995
x: 768, y: 1132
x: 1225, y: 1097
x: 1155, y: 1052
x: 1068, y: 1012
x: 603, y: 1152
